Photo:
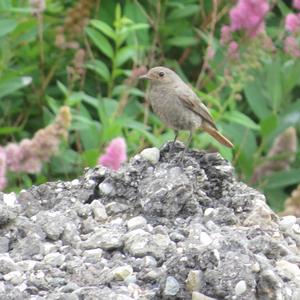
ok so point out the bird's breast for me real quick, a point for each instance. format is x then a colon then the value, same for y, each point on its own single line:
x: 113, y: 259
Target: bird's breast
x: 170, y: 109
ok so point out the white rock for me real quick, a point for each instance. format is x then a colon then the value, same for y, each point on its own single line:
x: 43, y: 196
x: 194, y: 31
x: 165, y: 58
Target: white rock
x: 136, y: 222
x: 22, y: 287
x: 151, y: 154
x: 15, y: 277
x: 49, y: 248
x: 209, y: 211
x: 27, y: 265
x: 105, y: 188
x: 10, y: 199
x: 94, y: 254
x: 287, y: 222
x: 2, y: 287
x: 200, y: 296
x: 296, y: 228
x: 205, y: 239
x: 75, y: 182
x: 240, y: 287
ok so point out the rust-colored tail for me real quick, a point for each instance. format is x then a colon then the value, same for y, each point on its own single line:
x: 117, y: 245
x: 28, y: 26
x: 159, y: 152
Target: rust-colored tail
x: 218, y: 136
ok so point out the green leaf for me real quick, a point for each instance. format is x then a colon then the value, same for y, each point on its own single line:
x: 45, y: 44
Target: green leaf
x: 274, y: 84
x: 100, y: 41
x: 291, y: 75
x: 257, y: 101
x: 100, y: 68
x: 284, y: 9
x: 123, y: 55
x: 283, y: 178
x: 90, y: 157
x: 183, y: 12
x: 53, y: 103
x: 7, y: 26
x: 182, y: 41
x: 240, y: 118
x: 268, y: 125
x: 62, y: 88
x: 11, y: 85
x: 104, y: 28
x: 9, y: 130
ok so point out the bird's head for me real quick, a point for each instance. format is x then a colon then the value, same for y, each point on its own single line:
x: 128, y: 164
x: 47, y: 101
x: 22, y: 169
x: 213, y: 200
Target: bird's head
x: 161, y: 75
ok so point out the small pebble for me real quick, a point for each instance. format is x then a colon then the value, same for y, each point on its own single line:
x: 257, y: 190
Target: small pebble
x: 151, y: 154
x: 172, y: 286
x: 240, y: 287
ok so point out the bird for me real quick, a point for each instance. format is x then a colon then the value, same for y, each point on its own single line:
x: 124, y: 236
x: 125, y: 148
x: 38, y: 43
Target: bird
x: 177, y: 105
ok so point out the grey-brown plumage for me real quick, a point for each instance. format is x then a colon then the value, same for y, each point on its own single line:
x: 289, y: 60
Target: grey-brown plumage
x: 178, y: 106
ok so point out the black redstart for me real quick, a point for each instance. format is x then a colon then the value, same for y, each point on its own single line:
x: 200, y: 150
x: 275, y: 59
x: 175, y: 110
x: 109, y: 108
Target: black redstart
x: 178, y: 106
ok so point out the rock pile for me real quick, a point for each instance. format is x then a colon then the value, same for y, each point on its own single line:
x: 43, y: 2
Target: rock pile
x: 153, y: 230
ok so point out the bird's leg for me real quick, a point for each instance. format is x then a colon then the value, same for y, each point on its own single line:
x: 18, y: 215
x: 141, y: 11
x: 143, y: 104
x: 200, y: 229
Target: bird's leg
x: 187, y: 145
x: 175, y: 138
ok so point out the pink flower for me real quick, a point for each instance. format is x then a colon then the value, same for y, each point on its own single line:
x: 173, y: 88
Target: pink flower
x: 14, y: 155
x: 249, y: 15
x: 233, y: 50
x: 115, y: 154
x: 296, y: 4
x: 226, y: 35
x: 292, y: 22
x: 2, y: 168
x: 291, y: 46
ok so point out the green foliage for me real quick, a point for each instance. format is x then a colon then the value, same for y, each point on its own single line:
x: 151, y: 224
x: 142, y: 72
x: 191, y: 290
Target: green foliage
x: 252, y: 101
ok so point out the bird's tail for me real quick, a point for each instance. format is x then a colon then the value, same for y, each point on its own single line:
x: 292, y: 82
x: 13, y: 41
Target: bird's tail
x: 218, y: 136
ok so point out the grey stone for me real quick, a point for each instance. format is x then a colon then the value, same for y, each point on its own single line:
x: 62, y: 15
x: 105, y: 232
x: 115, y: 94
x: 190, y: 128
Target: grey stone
x: 287, y: 222
x: 71, y: 235
x: 93, y: 255
x: 141, y: 243
x: 54, y: 259
x: 122, y: 272
x: 7, y: 214
x: 105, y: 238
x: 7, y: 264
x: 193, y: 281
x: 4, y: 244
x: 171, y: 287
x: 160, y: 231
x: 99, y: 211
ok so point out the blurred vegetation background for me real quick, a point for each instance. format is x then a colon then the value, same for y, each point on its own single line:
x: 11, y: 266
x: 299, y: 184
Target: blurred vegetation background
x: 87, y: 55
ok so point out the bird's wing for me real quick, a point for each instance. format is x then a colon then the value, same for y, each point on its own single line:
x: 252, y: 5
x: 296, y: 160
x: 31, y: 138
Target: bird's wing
x: 193, y: 103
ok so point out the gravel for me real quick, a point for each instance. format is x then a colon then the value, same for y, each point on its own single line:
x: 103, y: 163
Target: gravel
x: 156, y: 229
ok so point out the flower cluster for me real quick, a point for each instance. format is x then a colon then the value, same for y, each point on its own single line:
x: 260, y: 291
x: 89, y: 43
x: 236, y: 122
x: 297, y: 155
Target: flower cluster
x: 37, y: 6
x: 115, y: 154
x: 76, y: 19
x: 292, y: 26
x: 29, y: 155
x: 247, y: 17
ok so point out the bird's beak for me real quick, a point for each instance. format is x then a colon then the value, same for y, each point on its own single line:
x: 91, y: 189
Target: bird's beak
x: 145, y: 76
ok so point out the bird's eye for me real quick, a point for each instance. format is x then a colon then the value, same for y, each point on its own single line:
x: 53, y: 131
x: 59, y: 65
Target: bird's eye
x: 161, y: 74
